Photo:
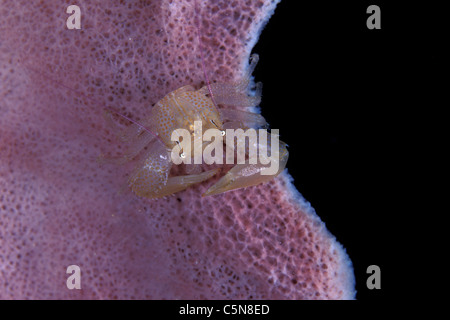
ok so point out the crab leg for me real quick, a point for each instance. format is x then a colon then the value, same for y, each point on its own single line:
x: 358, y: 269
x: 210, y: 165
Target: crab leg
x: 179, y: 183
x: 237, y: 94
x: 243, y: 119
x: 246, y: 175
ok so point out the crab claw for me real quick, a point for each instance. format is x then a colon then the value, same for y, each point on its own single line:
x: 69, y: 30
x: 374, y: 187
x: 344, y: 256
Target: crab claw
x: 239, y: 176
x: 246, y: 175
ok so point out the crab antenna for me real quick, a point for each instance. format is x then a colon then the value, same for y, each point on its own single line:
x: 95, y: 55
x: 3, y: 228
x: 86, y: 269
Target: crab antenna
x: 199, y: 41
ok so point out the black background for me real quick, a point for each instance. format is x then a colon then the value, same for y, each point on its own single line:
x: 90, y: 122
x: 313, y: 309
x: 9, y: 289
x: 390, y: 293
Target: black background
x: 345, y: 99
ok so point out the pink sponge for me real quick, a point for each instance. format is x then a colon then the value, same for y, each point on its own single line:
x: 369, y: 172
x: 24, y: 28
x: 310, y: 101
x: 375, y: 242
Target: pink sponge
x: 58, y: 207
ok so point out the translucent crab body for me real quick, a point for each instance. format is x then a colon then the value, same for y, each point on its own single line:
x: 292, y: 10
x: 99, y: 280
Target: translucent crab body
x: 152, y: 140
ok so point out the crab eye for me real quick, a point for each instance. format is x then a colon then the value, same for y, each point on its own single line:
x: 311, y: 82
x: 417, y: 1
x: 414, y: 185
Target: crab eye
x: 222, y: 132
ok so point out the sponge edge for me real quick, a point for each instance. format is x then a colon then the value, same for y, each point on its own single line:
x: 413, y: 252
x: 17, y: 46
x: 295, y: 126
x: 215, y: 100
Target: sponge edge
x: 342, y: 284
x: 258, y: 26
x: 344, y: 279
